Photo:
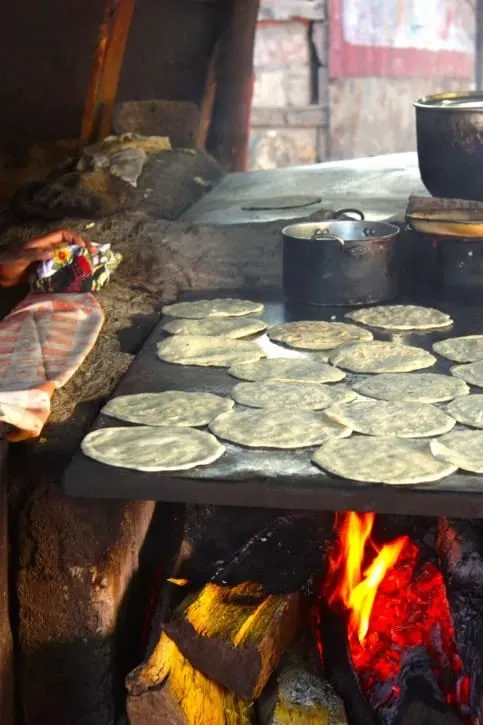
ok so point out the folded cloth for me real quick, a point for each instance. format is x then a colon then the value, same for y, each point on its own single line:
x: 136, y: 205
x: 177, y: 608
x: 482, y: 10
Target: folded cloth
x: 43, y: 341
x: 75, y: 269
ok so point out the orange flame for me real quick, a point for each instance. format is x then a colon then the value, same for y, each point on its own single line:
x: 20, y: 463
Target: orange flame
x: 350, y: 584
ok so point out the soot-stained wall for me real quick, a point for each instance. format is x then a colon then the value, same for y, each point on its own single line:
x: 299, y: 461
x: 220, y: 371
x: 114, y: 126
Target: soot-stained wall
x: 46, y: 51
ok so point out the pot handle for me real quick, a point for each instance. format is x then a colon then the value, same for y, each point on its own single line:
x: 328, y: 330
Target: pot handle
x: 319, y: 235
x: 349, y: 210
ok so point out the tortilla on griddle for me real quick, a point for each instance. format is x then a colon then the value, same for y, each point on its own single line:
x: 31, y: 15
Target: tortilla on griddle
x: 393, y: 461
x: 145, y: 448
x: 287, y: 370
x: 207, y: 351
x: 381, y: 357
x: 233, y: 327
x: 299, y: 396
x: 316, y: 334
x: 422, y: 387
x: 276, y: 429
x: 219, y: 307
x: 401, y: 317
x: 169, y: 408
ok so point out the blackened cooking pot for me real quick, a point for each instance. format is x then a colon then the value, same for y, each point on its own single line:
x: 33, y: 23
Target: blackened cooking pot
x: 339, y: 263
x: 449, y: 130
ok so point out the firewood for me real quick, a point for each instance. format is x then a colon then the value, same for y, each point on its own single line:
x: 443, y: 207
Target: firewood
x: 176, y: 687
x: 236, y: 636
x: 299, y: 697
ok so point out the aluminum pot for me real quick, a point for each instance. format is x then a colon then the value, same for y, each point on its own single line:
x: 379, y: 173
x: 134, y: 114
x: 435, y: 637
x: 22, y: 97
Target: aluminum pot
x: 339, y: 263
x: 449, y: 129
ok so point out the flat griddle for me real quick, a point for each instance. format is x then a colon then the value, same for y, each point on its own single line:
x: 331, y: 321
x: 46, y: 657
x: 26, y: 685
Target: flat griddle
x: 271, y: 478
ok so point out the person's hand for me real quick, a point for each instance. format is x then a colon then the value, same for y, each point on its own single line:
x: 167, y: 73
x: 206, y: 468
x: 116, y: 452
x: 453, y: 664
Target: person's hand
x: 14, y: 265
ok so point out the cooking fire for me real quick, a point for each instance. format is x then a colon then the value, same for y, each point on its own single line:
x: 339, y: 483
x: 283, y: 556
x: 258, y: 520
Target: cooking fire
x: 397, y: 615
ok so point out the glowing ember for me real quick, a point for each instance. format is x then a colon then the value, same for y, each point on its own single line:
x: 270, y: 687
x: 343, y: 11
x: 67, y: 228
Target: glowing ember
x: 392, y: 605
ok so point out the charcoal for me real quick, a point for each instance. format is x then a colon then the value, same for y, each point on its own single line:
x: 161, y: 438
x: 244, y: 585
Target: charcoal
x: 338, y: 668
x: 281, y: 557
x: 460, y: 548
x: 229, y: 546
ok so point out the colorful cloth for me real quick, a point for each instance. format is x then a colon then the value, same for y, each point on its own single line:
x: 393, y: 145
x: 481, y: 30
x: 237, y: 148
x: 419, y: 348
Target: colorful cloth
x: 43, y: 341
x: 74, y: 269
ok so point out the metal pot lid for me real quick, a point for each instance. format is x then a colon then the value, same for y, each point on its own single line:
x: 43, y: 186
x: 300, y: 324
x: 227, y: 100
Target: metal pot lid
x: 464, y: 101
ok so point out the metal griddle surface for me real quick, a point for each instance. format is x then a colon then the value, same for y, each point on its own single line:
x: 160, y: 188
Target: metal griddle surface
x: 270, y: 478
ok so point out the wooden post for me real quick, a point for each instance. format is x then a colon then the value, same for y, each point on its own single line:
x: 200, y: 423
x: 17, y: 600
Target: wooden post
x: 479, y: 45
x: 106, y: 70
x: 229, y: 133
x: 6, y: 646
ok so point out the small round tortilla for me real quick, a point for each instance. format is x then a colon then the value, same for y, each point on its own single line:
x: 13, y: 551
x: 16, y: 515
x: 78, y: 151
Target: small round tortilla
x: 207, y: 351
x: 422, y: 387
x: 382, y: 460
x: 228, y: 307
x: 145, y: 448
x: 467, y: 410
x: 233, y: 328
x: 285, y: 370
x: 170, y: 408
x: 298, y: 396
x: 316, y: 334
x: 471, y: 374
x: 401, y: 317
x: 461, y: 349
x: 391, y: 419
x: 381, y: 357
x: 276, y: 429
x: 461, y: 448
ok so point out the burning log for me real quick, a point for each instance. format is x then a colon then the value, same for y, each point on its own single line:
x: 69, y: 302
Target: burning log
x: 460, y: 548
x: 279, y: 551
x: 235, y: 636
x: 300, y: 698
x: 168, y: 685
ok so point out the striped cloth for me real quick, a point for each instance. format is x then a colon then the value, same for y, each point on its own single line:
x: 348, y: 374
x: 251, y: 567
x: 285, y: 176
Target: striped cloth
x: 43, y: 341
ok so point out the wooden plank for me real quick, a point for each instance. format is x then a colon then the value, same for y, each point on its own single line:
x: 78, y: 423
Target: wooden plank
x: 200, y: 700
x: 106, y: 70
x: 291, y: 9
x: 301, y: 117
x: 235, y: 636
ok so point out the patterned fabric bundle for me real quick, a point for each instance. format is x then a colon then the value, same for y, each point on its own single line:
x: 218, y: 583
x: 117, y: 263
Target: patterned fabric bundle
x: 75, y: 269
x: 43, y: 341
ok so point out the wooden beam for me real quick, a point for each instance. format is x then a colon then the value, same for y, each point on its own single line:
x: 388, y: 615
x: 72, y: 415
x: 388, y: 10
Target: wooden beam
x: 230, y: 129
x: 106, y: 70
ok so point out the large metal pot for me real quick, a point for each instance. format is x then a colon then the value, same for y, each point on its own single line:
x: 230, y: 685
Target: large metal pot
x: 339, y: 263
x: 449, y: 128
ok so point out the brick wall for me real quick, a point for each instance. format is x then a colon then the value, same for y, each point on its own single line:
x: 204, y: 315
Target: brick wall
x: 288, y: 119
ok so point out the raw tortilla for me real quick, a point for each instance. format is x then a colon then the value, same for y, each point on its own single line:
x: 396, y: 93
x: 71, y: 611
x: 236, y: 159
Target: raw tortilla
x: 462, y: 448
x: 461, y: 349
x: 381, y: 357
x: 401, y: 317
x: 422, y: 387
x: 170, y: 408
x: 208, y: 351
x: 300, y: 396
x: 472, y: 373
x: 220, y: 307
x: 316, y: 334
x: 382, y: 460
x: 391, y: 419
x: 286, y: 370
x: 274, y: 429
x: 467, y: 410
x: 231, y: 327
x: 144, y: 448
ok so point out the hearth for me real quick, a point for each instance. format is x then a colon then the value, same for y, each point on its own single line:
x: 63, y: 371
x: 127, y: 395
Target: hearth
x: 273, y: 617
